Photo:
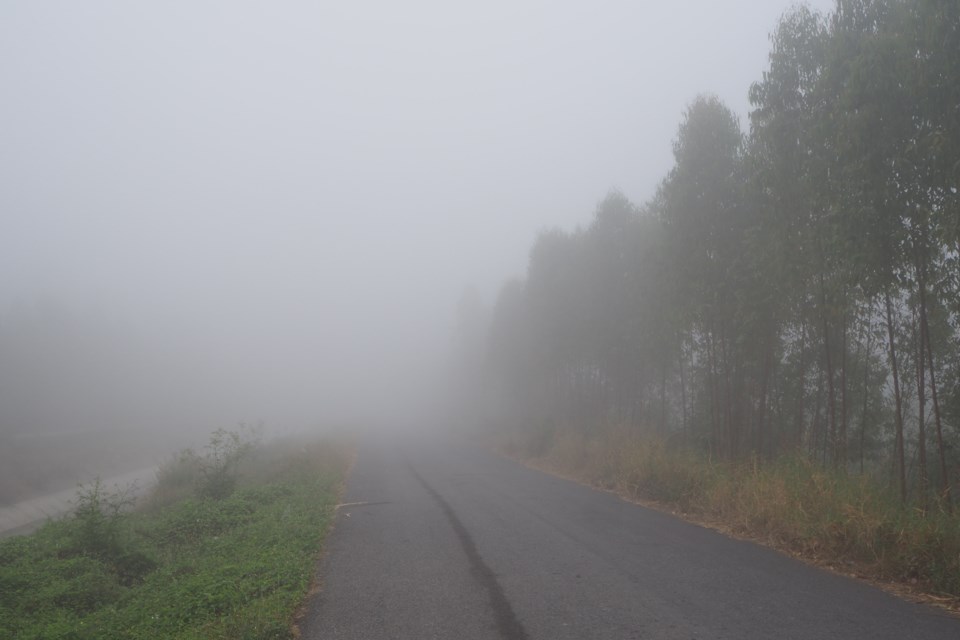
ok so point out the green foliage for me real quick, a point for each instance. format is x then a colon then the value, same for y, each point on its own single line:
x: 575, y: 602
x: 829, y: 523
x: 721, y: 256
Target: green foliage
x: 98, y: 515
x: 234, y: 567
x: 224, y: 453
x: 213, y: 474
x: 177, y: 477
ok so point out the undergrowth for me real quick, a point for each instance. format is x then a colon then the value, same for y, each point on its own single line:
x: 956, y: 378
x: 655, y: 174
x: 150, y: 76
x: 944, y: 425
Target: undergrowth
x: 834, y: 518
x: 189, y: 564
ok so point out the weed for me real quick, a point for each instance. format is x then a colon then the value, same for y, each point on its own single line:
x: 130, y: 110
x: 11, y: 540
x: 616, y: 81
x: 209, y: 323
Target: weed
x: 224, y: 452
x: 177, y: 478
x: 98, y: 513
x: 214, y: 474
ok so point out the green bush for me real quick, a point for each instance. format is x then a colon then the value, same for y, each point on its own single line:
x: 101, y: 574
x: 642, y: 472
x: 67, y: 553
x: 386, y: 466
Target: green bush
x: 98, y: 512
x: 224, y: 453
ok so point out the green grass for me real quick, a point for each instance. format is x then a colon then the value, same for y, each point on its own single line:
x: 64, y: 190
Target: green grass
x: 180, y: 567
x: 838, y: 519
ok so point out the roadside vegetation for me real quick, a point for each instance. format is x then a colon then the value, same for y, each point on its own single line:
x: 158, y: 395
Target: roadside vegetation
x: 847, y: 522
x: 224, y: 547
x: 773, y: 339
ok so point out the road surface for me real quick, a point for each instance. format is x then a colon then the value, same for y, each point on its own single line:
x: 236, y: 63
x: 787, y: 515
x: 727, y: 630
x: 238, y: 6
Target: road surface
x: 448, y: 541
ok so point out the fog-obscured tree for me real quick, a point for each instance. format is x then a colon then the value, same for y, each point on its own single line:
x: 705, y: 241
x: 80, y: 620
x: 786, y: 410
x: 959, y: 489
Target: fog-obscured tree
x: 784, y: 288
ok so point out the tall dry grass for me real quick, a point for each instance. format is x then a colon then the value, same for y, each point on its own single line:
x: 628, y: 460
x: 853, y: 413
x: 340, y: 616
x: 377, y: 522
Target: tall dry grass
x: 790, y: 503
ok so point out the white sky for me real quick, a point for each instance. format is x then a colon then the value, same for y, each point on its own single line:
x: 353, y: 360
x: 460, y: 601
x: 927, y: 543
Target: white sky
x: 300, y: 190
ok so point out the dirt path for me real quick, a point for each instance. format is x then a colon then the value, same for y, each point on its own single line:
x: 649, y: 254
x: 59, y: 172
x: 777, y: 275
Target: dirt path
x: 28, y: 515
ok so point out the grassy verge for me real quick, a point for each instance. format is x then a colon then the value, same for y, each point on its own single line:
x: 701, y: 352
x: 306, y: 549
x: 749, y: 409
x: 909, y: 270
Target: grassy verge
x: 845, y: 521
x: 188, y: 563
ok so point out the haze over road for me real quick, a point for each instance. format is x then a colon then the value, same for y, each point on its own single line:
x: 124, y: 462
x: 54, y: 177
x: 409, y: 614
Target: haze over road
x: 448, y: 541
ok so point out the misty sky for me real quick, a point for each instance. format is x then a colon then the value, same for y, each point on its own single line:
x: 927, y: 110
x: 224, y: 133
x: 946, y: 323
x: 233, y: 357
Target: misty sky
x: 269, y: 209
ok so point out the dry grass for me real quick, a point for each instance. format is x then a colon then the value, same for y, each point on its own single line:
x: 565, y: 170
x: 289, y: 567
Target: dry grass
x: 845, y: 521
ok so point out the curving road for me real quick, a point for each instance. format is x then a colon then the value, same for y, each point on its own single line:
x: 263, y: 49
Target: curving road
x: 448, y: 541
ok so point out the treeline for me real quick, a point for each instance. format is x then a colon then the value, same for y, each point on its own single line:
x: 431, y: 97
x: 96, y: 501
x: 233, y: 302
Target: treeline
x: 792, y: 287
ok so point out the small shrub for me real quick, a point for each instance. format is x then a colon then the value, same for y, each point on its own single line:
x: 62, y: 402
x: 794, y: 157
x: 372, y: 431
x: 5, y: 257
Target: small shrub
x: 224, y: 452
x: 86, y: 592
x: 97, y: 513
x: 132, y: 567
x: 177, y: 478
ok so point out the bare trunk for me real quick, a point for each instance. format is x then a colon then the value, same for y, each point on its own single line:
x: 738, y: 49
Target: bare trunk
x: 866, y: 392
x: 764, y: 384
x: 924, y: 480
x: 727, y: 396
x: 663, y: 397
x: 803, y: 385
x: 831, y: 394
x: 817, y: 426
x: 944, y: 475
x: 899, y: 457
x: 683, y: 392
x: 841, y: 444
x: 714, y: 420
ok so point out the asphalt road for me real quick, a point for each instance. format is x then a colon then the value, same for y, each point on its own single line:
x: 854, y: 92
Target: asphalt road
x: 448, y: 541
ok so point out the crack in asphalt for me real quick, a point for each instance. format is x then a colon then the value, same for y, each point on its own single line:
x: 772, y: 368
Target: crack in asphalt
x: 360, y: 504
x: 508, y: 624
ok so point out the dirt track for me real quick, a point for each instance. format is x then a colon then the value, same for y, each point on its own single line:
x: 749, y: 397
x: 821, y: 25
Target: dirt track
x: 27, y: 515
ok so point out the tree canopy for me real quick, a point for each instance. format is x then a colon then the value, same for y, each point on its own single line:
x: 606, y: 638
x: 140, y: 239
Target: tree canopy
x: 791, y: 287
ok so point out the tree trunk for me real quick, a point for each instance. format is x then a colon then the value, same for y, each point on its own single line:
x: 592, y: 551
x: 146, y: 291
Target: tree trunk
x: 817, y: 425
x: 899, y: 457
x: 866, y: 391
x: 729, y: 427
x: 925, y: 331
x: 663, y: 397
x: 841, y: 444
x: 923, y: 477
x: 683, y: 393
x: 803, y: 385
x: 714, y: 421
x: 831, y: 395
x: 764, y: 384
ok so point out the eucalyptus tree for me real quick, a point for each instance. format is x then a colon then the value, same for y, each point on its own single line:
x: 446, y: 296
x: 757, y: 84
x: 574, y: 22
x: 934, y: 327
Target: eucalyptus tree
x: 886, y: 62
x: 558, y: 314
x: 931, y: 29
x: 702, y: 208
x: 632, y: 336
x: 509, y: 367
x: 785, y: 175
x: 771, y: 270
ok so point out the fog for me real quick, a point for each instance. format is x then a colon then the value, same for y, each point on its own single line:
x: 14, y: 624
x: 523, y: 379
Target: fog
x: 223, y: 211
